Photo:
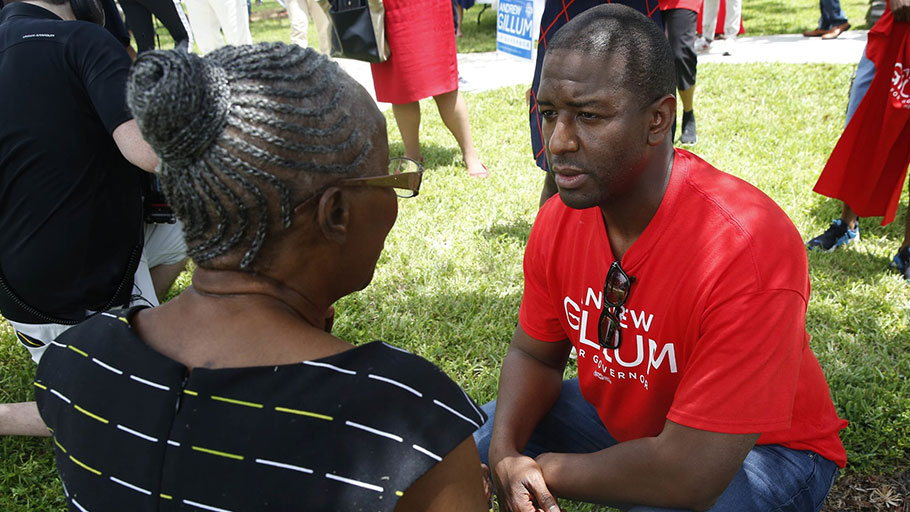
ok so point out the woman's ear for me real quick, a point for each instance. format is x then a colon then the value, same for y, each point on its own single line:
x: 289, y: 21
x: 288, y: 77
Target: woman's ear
x: 663, y: 112
x: 333, y: 214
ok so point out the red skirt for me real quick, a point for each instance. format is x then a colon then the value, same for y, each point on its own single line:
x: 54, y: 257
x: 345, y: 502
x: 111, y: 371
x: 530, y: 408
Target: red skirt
x: 423, y: 62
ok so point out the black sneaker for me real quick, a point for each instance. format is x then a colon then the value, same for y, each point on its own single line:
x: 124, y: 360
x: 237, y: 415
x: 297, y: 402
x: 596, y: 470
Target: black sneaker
x: 688, y: 128
x: 901, y: 262
x: 837, y: 234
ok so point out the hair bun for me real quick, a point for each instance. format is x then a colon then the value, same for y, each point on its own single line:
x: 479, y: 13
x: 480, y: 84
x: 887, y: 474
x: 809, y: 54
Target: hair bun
x: 180, y: 102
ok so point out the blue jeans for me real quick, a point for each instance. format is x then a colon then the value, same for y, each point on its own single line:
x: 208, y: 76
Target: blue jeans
x: 832, y: 14
x: 862, y: 78
x: 772, y: 478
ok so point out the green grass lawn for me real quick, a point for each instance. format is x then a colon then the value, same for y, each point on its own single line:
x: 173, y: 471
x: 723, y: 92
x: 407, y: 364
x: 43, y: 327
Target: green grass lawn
x: 449, y: 283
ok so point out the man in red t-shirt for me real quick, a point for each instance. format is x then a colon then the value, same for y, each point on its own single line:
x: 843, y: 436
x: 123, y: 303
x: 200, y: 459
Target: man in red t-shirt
x: 696, y: 386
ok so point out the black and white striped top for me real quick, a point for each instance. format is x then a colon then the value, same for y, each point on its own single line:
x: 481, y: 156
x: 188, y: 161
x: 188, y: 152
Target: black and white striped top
x: 134, y: 431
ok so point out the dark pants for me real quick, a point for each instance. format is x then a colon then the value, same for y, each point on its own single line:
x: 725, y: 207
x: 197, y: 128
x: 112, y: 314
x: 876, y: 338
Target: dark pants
x: 138, y: 15
x: 772, y: 478
x: 679, y: 25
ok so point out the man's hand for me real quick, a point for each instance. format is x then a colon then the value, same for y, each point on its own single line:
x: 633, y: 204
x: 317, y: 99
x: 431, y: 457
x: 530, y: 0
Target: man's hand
x: 521, y: 487
x: 901, y: 10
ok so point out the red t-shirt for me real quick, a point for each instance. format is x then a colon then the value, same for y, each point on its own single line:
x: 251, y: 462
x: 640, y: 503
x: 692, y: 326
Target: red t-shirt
x: 713, y: 329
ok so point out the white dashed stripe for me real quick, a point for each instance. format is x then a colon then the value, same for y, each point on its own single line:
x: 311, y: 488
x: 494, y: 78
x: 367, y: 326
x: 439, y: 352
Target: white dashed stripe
x: 106, y: 366
x: 59, y: 394
x: 173, y: 443
x: 285, y: 466
x: 61, y: 345
x: 471, y: 403
x: 393, y: 347
x: 373, y: 431
x: 206, y: 507
x: 456, y: 413
x: 396, y: 383
x: 109, y: 315
x: 80, y: 507
x: 137, y: 434
x: 330, y: 367
x: 424, y: 451
x: 130, y: 486
x: 150, y: 383
x: 358, y: 483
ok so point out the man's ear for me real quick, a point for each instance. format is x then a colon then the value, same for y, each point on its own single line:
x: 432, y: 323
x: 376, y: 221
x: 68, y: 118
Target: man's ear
x: 662, y: 114
x: 333, y: 214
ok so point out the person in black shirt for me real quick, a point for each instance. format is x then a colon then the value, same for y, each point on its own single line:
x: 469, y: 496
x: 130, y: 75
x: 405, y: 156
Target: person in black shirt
x: 70, y: 201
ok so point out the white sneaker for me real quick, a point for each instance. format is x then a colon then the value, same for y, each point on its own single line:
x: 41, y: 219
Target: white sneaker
x: 729, y: 45
x: 702, y: 45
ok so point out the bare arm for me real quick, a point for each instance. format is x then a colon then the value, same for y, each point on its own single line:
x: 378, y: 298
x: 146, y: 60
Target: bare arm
x: 453, y: 485
x: 901, y: 10
x: 529, y: 385
x: 680, y: 468
x: 136, y: 150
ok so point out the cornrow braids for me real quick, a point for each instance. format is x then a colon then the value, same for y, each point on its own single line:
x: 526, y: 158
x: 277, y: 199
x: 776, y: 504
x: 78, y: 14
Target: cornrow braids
x: 241, y: 134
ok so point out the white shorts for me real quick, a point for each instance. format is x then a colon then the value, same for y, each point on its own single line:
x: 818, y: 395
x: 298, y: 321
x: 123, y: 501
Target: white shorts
x: 164, y: 245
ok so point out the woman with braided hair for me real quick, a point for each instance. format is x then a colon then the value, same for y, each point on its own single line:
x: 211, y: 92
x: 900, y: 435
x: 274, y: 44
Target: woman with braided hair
x: 234, y: 396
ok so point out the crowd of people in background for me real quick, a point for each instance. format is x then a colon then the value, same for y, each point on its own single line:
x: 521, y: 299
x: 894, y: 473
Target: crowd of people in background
x: 281, y: 188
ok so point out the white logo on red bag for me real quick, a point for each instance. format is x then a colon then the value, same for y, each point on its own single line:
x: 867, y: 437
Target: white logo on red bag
x: 900, y: 96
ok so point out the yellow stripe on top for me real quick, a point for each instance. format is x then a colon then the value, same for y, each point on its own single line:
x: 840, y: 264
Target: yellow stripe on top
x: 124, y: 320
x: 236, y: 402
x: 216, y: 452
x: 191, y: 393
x: 85, y: 466
x: 28, y: 341
x: 39, y: 385
x: 90, y: 415
x: 304, y: 413
x: 166, y: 496
x: 399, y: 493
x: 76, y: 350
x: 59, y: 445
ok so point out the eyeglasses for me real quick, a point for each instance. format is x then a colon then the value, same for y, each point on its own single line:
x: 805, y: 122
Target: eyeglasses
x: 616, y: 292
x: 404, y: 176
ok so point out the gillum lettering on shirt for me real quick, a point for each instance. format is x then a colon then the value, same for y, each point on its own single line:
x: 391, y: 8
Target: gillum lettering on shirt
x: 29, y: 36
x: 582, y: 317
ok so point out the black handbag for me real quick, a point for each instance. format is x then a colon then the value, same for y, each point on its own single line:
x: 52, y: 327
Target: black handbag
x: 358, y: 30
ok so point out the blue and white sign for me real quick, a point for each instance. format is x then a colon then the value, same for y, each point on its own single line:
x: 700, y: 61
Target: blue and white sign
x: 515, y: 27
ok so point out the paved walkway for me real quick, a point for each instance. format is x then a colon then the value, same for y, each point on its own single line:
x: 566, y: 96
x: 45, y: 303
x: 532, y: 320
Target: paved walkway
x: 492, y: 70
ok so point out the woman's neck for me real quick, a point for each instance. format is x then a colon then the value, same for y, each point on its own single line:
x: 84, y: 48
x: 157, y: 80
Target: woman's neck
x: 235, y: 283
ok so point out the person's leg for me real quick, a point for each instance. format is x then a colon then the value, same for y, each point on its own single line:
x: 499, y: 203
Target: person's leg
x: 205, y: 25
x: 164, y: 255
x: 322, y: 24
x: 407, y: 116
x: 732, y: 18
x: 139, y: 22
x: 458, y: 20
x: 862, y: 78
x: 709, y: 12
x: 774, y: 478
x: 22, y: 419
x: 235, y: 21
x: 680, y: 29
x: 454, y: 112
x: 167, y: 12
x: 571, y: 426
x: 832, y: 14
x: 300, y: 23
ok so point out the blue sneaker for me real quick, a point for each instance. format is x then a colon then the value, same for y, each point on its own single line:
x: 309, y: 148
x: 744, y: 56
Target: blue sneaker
x: 901, y: 262
x: 836, y: 235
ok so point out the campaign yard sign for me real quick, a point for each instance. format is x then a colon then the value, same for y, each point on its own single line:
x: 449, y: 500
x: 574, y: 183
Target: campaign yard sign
x: 515, y: 27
